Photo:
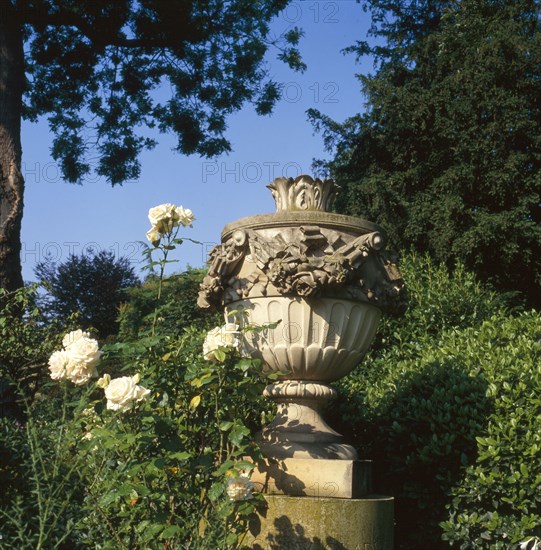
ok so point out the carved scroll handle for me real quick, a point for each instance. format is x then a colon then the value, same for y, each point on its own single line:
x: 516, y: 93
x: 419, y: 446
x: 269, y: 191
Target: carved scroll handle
x: 356, y: 252
x: 224, y: 259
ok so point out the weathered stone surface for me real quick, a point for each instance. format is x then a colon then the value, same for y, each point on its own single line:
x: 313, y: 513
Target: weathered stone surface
x: 321, y: 281
x: 318, y: 339
x: 309, y: 523
x: 303, y: 193
x: 314, y: 477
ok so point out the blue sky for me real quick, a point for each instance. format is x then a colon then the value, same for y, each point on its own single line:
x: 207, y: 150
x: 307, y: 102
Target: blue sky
x: 62, y: 218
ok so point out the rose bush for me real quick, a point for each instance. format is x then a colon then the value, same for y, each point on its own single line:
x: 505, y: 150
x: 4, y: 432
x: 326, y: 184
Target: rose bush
x: 166, y: 476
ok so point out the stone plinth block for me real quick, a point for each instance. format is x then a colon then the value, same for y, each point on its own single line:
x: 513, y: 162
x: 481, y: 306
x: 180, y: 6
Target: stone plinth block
x: 314, y: 477
x: 309, y: 523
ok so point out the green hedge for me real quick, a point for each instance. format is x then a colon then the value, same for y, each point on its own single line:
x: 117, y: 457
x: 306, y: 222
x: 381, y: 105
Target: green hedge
x: 498, y: 500
x: 177, y: 308
x: 440, y: 405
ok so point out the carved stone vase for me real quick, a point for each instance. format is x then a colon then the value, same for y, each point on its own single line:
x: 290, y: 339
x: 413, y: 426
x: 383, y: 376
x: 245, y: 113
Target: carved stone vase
x: 318, y: 282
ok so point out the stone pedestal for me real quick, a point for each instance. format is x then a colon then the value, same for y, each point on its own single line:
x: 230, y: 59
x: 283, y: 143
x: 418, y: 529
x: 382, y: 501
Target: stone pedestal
x: 314, y: 477
x: 310, y: 523
x: 305, y: 289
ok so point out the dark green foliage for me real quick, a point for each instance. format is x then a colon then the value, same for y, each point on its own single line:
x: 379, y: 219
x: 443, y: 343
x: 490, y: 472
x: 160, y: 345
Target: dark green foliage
x: 93, y: 286
x: 27, y: 477
x: 26, y: 342
x: 498, y: 502
x: 440, y: 383
x: 437, y: 302
x: 40, y: 479
x: 177, y: 306
x: 447, y: 154
x: 111, y: 57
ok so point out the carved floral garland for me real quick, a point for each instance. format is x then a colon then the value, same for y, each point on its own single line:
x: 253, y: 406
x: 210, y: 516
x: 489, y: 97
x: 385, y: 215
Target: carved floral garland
x: 308, y: 264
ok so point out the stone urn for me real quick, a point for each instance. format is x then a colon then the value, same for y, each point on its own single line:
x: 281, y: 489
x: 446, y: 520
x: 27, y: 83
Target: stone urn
x: 313, y: 284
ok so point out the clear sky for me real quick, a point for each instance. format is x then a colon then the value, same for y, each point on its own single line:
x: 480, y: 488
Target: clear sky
x: 62, y: 218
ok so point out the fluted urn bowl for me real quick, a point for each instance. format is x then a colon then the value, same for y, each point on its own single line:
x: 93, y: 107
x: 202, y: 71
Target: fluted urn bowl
x: 321, y: 339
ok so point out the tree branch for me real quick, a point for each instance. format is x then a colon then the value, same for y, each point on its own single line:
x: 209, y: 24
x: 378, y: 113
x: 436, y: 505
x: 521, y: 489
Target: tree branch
x: 41, y: 19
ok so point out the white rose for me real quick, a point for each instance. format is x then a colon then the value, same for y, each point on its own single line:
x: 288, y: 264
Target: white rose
x: 210, y: 344
x: 77, y: 361
x: 230, y: 335
x: 84, y: 351
x: 58, y: 365
x: 153, y: 235
x: 164, y: 217
x: 73, y: 336
x: 160, y: 212
x: 240, y: 488
x: 123, y: 392
x: 185, y: 215
x: 80, y: 373
x: 226, y: 336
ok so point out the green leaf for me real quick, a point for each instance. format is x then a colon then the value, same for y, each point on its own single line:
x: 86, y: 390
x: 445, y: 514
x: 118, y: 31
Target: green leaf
x: 220, y: 355
x: 238, y: 433
x: 183, y: 455
x: 216, y: 491
x: 225, y: 425
x: 170, y: 532
x: 159, y: 463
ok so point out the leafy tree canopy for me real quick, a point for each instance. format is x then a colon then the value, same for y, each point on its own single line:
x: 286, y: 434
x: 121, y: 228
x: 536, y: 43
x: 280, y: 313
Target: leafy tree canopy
x: 447, y: 153
x: 91, y: 285
x: 110, y: 56
x: 105, y: 71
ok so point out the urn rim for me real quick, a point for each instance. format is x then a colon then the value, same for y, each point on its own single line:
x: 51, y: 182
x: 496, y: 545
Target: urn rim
x: 300, y: 217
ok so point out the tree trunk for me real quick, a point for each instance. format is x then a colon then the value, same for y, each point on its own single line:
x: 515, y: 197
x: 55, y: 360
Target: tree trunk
x: 12, y: 82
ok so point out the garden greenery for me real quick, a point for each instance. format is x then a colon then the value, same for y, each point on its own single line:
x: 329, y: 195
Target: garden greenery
x: 146, y: 442
x: 114, y: 464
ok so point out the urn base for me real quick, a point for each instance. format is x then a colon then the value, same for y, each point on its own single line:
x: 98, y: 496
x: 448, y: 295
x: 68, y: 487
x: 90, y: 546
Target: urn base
x: 298, y: 429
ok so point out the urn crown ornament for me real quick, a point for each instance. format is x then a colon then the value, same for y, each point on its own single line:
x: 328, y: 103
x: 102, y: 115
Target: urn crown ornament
x: 303, y: 193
